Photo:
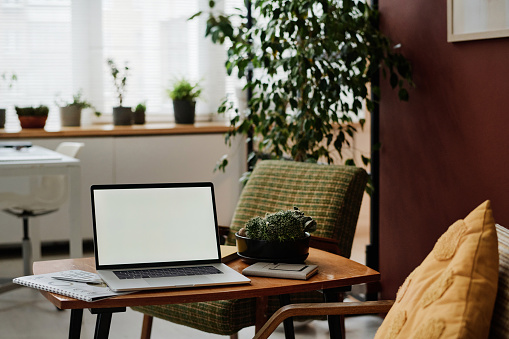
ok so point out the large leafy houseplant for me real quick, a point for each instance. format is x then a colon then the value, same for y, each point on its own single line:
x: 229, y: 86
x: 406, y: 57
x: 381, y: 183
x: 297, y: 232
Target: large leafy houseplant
x: 311, y: 63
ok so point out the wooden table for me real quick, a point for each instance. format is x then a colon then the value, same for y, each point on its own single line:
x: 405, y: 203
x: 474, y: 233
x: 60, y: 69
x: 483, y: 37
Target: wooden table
x: 335, y: 272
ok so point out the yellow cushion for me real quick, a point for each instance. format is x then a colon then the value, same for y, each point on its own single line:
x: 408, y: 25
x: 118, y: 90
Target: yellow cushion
x: 452, y: 293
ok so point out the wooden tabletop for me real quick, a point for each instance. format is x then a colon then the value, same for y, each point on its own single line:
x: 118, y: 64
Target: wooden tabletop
x: 334, y: 271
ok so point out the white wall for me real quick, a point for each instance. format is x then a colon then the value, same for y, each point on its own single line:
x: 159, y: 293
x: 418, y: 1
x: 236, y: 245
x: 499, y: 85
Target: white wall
x: 137, y: 159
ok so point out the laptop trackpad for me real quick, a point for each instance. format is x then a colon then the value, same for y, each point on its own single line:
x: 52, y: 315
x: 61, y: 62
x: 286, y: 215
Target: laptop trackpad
x: 177, y: 281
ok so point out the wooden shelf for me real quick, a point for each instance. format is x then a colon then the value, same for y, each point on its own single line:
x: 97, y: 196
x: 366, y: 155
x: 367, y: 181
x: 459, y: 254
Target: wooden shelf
x: 111, y: 130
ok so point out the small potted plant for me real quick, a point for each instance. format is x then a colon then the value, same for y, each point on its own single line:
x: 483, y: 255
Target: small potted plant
x: 184, y: 95
x: 70, y: 112
x: 32, y: 117
x: 121, y: 115
x: 139, y: 113
x: 9, y: 81
x: 279, y: 237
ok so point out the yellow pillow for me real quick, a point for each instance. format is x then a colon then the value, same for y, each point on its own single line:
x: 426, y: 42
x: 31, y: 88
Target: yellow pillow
x: 452, y: 293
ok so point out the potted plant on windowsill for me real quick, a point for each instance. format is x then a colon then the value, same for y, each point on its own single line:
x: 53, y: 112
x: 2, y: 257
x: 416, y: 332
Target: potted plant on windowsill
x: 121, y: 115
x: 184, y: 95
x: 70, y: 112
x: 139, y: 113
x: 279, y: 237
x: 9, y: 80
x: 32, y: 117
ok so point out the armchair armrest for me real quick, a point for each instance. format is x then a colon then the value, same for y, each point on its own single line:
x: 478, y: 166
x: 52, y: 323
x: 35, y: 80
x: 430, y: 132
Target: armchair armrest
x: 223, y: 230
x: 325, y: 244
x: 338, y: 308
x: 223, y: 233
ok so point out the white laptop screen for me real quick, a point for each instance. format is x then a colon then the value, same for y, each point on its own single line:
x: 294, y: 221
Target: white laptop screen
x: 154, y: 225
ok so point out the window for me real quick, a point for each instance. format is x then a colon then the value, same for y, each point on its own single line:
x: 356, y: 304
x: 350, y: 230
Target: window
x: 57, y: 47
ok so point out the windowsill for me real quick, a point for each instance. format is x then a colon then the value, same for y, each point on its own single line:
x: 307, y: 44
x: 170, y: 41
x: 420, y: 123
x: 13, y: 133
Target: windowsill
x: 108, y: 129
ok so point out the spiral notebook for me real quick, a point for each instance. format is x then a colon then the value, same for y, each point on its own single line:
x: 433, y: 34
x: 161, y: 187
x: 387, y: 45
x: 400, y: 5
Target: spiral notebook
x: 78, y: 290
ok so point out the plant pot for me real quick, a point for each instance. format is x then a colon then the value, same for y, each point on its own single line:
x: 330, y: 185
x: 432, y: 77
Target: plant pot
x: 139, y: 117
x: 70, y: 116
x: 29, y: 121
x: 122, y: 116
x: 252, y: 250
x: 2, y: 117
x: 184, y: 111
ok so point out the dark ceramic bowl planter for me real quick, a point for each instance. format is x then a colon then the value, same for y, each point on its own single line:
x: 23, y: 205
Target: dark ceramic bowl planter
x: 184, y: 111
x: 122, y: 116
x: 70, y: 115
x: 252, y: 250
x: 32, y: 121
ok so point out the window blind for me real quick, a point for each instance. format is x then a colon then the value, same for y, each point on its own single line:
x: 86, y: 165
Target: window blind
x: 57, y: 47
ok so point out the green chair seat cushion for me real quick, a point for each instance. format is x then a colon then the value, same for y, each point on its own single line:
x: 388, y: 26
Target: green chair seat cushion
x: 224, y: 317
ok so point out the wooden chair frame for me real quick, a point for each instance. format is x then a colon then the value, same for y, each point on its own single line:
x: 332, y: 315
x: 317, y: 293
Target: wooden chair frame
x: 321, y: 309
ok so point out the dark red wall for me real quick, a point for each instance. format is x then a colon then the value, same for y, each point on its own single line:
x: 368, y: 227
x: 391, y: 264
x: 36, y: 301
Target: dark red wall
x: 446, y: 150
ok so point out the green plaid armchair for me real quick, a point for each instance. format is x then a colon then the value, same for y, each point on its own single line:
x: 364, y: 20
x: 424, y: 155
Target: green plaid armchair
x: 331, y: 194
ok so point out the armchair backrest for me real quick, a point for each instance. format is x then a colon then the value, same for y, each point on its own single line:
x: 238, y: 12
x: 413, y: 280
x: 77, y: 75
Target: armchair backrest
x: 330, y: 194
x: 500, y: 321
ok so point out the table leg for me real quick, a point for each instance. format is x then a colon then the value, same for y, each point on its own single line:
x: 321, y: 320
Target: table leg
x: 103, y: 321
x: 75, y: 325
x: 336, y: 322
x: 284, y: 299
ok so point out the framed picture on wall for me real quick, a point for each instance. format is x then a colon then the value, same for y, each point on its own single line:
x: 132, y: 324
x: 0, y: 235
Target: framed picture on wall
x: 477, y: 19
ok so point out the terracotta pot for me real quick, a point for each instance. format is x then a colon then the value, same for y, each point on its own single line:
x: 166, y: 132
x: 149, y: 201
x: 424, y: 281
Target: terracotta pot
x: 32, y: 121
x: 252, y: 250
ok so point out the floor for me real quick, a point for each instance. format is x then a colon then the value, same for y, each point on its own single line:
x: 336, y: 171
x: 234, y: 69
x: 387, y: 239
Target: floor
x: 25, y: 314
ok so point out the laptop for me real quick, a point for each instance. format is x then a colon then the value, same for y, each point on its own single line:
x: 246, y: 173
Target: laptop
x: 153, y: 236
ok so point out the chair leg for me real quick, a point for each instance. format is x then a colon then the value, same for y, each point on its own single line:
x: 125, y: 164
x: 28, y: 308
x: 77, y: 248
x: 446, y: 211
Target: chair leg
x: 146, y: 329
x: 234, y: 336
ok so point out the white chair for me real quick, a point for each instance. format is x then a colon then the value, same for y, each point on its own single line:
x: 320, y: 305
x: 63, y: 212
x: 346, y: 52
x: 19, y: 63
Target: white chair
x: 46, y: 195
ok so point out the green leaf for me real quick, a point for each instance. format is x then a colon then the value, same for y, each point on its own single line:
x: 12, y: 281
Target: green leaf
x: 222, y: 163
x: 195, y: 15
x: 403, y: 94
x: 350, y: 162
x: 365, y: 160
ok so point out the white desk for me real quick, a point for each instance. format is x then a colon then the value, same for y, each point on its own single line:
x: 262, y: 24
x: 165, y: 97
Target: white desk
x: 38, y: 160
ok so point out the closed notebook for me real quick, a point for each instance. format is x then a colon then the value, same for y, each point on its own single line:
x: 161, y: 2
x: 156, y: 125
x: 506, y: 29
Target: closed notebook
x: 77, y: 290
x: 287, y: 271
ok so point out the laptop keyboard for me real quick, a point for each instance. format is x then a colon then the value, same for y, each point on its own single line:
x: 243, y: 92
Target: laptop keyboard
x: 167, y: 272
